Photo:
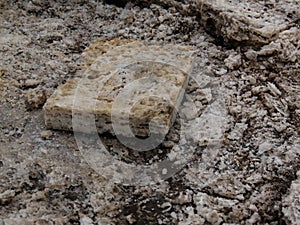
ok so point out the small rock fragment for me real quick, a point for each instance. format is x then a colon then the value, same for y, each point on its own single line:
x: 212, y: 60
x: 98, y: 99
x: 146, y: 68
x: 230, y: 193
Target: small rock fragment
x: 270, y: 49
x: 234, y: 61
x: 258, y: 89
x: 184, y: 198
x: 274, y: 90
x: 220, y: 71
x: 46, y: 134
x: 173, y: 214
x: 254, y: 219
x: 166, y: 206
x: 168, y: 144
x: 86, y: 221
x: 213, y: 217
x: 130, y: 218
x: 251, y: 55
x: 264, y: 147
x: 36, y: 98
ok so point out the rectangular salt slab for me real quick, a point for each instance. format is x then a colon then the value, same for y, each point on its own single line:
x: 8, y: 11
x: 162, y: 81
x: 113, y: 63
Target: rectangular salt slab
x: 125, y: 82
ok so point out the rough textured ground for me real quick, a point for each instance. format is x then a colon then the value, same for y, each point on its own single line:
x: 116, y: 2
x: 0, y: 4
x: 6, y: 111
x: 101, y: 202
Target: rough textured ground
x: 45, y: 180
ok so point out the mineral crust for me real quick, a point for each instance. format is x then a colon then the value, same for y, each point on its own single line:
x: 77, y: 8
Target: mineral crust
x: 248, y: 22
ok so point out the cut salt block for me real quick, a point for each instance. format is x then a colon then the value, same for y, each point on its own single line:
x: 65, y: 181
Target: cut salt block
x: 129, y: 83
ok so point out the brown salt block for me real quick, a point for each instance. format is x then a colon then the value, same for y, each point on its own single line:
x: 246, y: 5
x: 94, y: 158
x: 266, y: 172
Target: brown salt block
x: 126, y: 86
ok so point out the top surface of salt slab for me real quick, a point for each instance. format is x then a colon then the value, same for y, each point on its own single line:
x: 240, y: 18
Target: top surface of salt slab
x: 127, y: 79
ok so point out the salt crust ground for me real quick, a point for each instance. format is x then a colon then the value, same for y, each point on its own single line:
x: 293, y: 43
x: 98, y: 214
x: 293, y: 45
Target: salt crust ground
x: 44, y: 178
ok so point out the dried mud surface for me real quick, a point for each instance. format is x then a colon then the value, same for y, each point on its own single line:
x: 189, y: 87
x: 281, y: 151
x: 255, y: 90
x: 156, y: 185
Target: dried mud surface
x: 45, y: 180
